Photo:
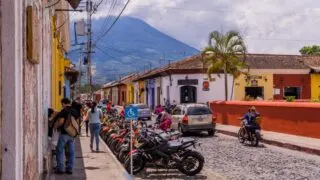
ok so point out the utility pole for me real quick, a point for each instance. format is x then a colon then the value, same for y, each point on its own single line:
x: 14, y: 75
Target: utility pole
x: 89, y: 43
x: 80, y: 71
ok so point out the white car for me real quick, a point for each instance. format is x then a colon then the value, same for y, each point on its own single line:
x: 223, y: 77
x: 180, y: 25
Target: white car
x: 193, y: 117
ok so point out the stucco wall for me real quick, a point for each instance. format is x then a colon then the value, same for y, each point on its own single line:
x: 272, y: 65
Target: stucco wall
x: 216, y: 91
x: 295, y: 118
x: 315, y: 86
x: 266, y: 82
x: 115, y: 95
x: 303, y: 81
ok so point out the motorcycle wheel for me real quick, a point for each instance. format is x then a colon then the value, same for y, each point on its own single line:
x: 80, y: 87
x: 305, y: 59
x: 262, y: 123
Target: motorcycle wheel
x: 241, y: 135
x: 123, y: 156
x: 254, y: 140
x: 117, y: 148
x: 192, y: 163
x: 138, y: 164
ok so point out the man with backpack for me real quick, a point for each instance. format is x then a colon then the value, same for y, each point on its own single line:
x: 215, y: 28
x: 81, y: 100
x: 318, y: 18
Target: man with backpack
x: 68, y: 127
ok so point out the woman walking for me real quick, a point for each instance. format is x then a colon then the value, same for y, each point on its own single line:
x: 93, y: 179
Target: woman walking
x: 94, y: 115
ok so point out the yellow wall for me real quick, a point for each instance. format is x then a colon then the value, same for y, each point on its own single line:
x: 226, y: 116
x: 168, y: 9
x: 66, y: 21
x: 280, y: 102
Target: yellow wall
x: 58, y: 68
x: 315, y: 89
x: 106, y: 92
x: 130, y: 93
x: 141, y: 86
x: 241, y: 83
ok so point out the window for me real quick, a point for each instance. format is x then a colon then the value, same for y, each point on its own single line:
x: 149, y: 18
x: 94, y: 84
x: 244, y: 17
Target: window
x: 292, y: 91
x: 188, y: 94
x: 198, y: 111
x: 254, y: 92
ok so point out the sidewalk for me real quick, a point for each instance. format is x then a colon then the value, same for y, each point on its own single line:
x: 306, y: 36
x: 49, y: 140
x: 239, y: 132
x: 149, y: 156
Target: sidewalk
x: 299, y: 143
x: 91, y: 165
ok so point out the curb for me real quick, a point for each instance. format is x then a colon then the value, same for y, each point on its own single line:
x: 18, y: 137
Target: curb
x: 126, y: 175
x: 279, y: 144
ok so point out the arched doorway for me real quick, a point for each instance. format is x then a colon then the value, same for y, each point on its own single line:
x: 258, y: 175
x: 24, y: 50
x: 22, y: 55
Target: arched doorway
x: 188, y: 94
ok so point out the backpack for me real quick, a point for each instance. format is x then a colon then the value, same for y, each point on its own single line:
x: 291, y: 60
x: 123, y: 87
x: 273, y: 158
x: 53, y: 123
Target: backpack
x: 71, y: 126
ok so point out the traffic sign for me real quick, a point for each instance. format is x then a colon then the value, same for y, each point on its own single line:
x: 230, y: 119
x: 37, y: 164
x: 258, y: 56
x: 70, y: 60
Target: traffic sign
x: 131, y: 113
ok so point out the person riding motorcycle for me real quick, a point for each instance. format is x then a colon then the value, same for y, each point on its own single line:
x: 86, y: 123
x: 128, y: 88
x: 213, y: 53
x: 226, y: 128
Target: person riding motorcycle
x: 250, y: 120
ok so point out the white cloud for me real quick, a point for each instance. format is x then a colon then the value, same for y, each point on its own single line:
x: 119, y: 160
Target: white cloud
x: 269, y: 26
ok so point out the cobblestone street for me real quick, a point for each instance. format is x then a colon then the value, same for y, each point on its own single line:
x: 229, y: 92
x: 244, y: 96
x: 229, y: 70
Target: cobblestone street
x: 224, y: 155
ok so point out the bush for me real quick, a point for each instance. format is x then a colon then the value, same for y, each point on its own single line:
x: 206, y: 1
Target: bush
x: 290, y: 98
x: 315, y: 100
x: 248, y: 98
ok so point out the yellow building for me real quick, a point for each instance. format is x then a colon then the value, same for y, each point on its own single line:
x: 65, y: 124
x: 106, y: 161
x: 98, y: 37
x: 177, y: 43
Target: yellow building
x: 141, y: 91
x: 60, y: 45
x: 254, y: 85
x: 315, y: 86
x: 130, y: 93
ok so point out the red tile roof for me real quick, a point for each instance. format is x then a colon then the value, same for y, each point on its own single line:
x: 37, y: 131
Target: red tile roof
x: 194, y: 64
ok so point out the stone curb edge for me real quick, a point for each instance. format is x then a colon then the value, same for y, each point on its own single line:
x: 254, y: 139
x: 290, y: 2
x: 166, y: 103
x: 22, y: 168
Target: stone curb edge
x: 125, y: 173
x: 279, y: 144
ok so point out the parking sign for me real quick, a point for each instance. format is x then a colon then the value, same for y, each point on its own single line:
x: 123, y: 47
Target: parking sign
x: 131, y: 113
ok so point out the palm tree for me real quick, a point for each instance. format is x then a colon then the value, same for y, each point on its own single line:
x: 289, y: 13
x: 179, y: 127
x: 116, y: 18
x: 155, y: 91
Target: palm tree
x: 222, y: 54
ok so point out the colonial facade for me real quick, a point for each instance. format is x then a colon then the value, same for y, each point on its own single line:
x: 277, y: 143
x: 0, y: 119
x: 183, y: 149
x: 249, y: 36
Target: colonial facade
x: 27, y: 50
x: 182, y: 82
x: 273, y: 77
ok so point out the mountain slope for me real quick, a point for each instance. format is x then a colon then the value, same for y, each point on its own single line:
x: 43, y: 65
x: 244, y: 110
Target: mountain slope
x: 130, y: 46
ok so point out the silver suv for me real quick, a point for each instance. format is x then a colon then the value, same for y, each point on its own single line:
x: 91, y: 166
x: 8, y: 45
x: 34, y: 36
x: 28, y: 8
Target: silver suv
x: 144, y: 112
x: 193, y: 117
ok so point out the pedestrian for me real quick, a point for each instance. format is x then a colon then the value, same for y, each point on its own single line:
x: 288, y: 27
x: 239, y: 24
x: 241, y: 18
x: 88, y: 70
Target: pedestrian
x: 65, y: 140
x: 86, y: 120
x: 94, y: 116
x: 77, y: 106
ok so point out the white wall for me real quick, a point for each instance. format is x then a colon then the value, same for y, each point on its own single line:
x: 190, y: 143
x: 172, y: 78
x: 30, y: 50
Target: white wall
x: 216, y: 91
x: 12, y: 58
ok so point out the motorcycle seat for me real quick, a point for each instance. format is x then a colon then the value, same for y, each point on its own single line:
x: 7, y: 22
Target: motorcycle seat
x: 174, y: 144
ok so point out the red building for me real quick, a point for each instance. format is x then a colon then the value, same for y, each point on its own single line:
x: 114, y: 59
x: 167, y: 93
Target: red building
x: 297, y: 85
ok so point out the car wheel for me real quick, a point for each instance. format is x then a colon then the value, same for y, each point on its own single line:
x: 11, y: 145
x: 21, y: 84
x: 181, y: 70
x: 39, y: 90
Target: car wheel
x: 211, y: 132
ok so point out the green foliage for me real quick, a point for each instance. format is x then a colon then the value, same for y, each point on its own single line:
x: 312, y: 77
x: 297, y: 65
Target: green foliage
x: 86, y: 88
x: 310, y: 50
x: 290, y: 98
x: 315, y: 100
x: 248, y: 98
x: 222, y: 54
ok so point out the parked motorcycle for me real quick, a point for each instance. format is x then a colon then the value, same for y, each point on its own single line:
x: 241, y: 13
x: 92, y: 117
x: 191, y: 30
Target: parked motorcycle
x: 166, y: 154
x: 150, y: 146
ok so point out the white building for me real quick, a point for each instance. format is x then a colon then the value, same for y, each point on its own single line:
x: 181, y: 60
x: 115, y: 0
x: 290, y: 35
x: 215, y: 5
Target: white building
x: 184, y: 81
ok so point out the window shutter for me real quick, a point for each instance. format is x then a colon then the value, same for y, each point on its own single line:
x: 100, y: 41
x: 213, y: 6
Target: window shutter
x: 32, y: 37
x: 29, y: 34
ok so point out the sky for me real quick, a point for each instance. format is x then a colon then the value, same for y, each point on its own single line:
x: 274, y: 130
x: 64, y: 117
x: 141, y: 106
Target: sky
x: 268, y: 26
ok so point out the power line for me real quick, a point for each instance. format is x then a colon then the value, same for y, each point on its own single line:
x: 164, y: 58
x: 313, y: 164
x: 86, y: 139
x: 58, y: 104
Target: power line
x: 115, y: 21
x: 51, y: 5
x: 104, y: 52
x: 108, y: 17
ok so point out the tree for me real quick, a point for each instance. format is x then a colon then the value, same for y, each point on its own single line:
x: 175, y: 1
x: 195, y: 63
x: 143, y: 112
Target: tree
x: 222, y: 54
x: 310, y: 50
x: 86, y: 88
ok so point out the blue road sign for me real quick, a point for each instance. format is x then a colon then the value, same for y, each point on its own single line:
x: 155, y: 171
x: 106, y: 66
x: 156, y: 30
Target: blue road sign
x: 131, y: 113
